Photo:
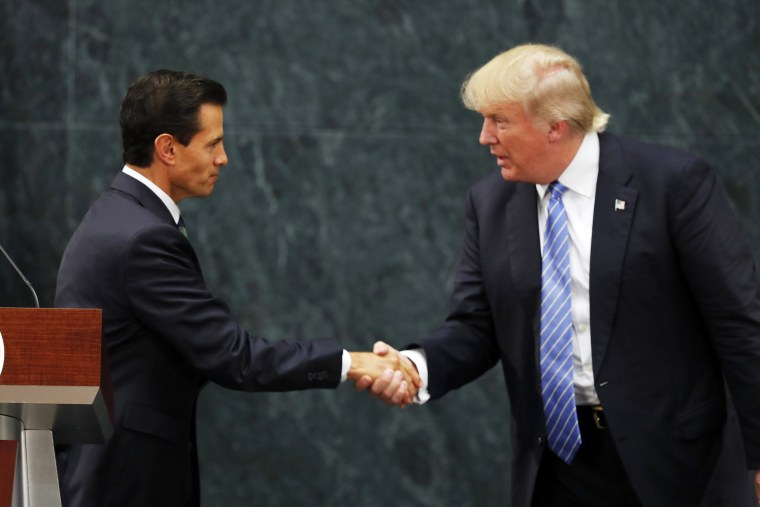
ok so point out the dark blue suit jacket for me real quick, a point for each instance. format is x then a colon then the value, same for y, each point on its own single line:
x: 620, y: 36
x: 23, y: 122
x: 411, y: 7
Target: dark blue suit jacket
x: 166, y: 336
x: 675, y: 307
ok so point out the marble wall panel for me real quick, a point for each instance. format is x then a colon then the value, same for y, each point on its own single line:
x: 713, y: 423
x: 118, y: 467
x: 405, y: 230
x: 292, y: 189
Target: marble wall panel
x: 375, y: 219
x: 34, y: 61
x: 33, y: 176
x: 340, y: 212
x: 342, y: 449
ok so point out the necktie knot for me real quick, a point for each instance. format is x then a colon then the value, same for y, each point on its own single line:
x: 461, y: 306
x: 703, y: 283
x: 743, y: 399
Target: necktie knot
x: 556, y: 189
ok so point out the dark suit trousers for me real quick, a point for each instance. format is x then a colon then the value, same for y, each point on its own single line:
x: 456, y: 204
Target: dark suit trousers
x: 595, y: 478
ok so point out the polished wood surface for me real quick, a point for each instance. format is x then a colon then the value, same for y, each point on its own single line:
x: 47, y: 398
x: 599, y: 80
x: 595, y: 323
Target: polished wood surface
x: 7, y: 470
x: 55, y: 373
x: 51, y: 346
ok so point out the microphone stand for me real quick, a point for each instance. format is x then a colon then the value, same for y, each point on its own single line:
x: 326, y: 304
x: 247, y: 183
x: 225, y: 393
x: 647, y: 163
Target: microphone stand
x: 28, y: 284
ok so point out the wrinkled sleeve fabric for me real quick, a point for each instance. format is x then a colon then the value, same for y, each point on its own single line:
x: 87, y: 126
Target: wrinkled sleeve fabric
x: 719, y: 267
x: 166, y: 291
x: 464, y: 347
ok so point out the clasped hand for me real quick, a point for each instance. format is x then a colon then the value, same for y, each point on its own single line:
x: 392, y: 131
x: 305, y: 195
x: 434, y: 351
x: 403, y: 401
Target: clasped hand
x: 386, y: 373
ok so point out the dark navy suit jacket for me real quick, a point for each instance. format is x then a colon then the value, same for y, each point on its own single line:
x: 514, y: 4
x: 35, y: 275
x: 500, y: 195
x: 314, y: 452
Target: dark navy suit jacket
x: 674, y: 308
x: 166, y: 336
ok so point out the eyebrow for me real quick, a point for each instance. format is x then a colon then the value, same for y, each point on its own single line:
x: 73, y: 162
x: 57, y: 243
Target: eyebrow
x: 492, y: 113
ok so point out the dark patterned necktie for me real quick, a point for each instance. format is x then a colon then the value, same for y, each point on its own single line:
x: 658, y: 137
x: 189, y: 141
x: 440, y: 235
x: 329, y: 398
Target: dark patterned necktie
x: 181, y: 226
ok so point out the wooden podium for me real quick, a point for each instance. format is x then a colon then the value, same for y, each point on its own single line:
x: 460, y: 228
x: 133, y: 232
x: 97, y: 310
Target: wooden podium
x: 54, y: 387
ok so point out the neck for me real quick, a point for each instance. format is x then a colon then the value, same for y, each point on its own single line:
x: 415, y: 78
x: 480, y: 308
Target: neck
x: 156, y: 175
x: 566, y: 151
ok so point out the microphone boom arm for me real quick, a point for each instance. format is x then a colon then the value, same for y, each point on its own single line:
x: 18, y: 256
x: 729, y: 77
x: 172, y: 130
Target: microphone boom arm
x: 28, y: 284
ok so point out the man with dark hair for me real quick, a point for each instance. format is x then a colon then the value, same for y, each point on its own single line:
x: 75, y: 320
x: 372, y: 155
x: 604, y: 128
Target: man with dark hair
x: 164, y: 101
x: 166, y: 335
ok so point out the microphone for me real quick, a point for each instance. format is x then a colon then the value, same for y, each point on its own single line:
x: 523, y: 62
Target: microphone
x: 36, y: 301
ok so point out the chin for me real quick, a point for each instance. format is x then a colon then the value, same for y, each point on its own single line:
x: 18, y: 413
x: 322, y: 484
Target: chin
x: 509, y: 175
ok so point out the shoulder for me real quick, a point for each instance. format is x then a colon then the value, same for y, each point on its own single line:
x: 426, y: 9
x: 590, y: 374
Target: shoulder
x: 117, y: 225
x: 639, y: 155
x: 120, y: 213
x: 490, y: 182
x: 655, y: 170
x: 492, y: 187
x: 492, y: 194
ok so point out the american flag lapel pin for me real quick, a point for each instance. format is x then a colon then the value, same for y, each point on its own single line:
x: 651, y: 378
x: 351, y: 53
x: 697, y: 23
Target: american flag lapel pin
x: 619, y: 205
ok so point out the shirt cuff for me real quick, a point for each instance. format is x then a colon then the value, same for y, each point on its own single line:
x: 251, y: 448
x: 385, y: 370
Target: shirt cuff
x: 419, y: 358
x: 346, y: 366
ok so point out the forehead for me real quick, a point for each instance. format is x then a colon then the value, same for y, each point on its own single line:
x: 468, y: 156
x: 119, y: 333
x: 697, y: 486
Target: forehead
x: 510, y: 109
x: 210, y: 118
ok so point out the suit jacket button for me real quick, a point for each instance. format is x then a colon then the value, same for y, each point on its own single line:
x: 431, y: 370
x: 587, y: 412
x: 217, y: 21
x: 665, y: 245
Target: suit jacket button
x: 540, y: 440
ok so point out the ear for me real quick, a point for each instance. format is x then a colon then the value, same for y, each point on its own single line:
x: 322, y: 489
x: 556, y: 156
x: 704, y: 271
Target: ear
x: 558, y: 130
x: 164, y: 149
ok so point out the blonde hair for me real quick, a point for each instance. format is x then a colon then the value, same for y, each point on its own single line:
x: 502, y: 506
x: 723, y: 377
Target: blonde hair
x: 547, y: 82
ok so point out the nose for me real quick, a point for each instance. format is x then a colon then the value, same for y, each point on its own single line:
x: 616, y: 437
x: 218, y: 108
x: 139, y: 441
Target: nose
x: 487, y: 136
x: 221, y: 156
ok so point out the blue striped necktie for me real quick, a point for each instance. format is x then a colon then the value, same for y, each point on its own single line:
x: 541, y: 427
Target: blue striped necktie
x: 563, y: 434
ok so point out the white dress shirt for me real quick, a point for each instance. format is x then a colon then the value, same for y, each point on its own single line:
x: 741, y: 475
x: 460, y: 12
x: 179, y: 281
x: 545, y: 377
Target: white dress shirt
x: 174, y: 210
x: 168, y: 202
x: 580, y: 179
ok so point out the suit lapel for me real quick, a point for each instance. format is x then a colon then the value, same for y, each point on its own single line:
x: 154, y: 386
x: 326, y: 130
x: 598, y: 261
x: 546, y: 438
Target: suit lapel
x: 147, y: 199
x: 142, y: 194
x: 614, y: 211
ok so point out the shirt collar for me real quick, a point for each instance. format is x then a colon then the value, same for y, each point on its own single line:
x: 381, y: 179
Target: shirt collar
x: 168, y: 202
x: 581, y: 175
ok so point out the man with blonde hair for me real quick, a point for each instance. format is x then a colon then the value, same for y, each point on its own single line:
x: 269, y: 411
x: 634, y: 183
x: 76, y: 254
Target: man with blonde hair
x: 613, y: 282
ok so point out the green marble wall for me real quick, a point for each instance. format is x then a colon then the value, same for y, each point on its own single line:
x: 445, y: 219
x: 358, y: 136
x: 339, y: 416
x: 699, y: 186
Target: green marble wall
x: 340, y: 211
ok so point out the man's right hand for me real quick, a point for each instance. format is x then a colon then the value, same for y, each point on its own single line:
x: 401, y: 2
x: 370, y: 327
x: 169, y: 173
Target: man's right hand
x: 396, y: 384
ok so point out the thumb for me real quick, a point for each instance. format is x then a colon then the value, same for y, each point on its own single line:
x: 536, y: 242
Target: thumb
x: 380, y: 348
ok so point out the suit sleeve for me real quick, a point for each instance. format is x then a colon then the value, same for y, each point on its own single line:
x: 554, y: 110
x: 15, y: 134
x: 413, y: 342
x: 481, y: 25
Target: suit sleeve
x: 464, y: 347
x: 721, y: 273
x: 167, y: 293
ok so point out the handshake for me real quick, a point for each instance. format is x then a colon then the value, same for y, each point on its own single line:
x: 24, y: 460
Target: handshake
x: 386, y: 373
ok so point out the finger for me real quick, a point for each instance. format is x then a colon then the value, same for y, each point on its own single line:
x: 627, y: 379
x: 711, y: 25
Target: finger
x: 410, y: 374
x: 411, y: 379
x: 401, y: 394
x: 410, y: 370
x: 381, y: 382
x: 380, y: 348
x: 391, y: 389
x: 411, y: 394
